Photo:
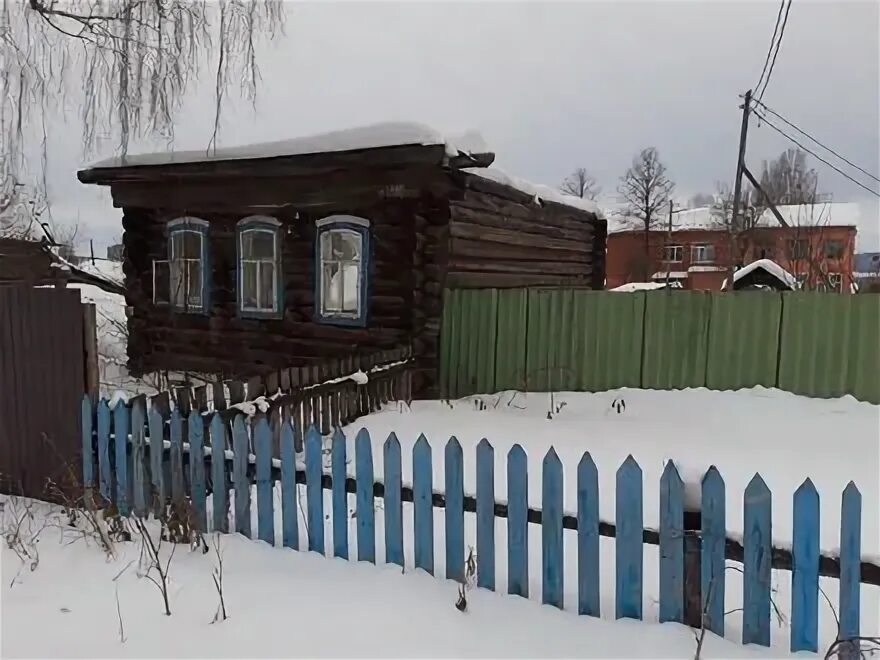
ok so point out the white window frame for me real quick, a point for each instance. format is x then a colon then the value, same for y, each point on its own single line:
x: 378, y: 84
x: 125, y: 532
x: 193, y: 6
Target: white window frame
x: 702, y: 248
x: 673, y: 250
x: 199, y: 227
x: 271, y: 226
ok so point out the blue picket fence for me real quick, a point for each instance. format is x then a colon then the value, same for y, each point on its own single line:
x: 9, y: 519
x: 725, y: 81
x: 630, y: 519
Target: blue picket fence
x: 118, y: 450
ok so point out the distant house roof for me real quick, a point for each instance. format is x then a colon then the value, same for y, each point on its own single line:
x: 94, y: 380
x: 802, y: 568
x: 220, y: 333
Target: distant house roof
x: 848, y: 214
x: 770, y: 267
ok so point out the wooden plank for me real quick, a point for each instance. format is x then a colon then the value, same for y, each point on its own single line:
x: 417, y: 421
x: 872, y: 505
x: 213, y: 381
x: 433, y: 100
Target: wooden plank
x: 200, y: 398
x: 265, y: 483
x: 850, y: 562
x: 196, y: 431
x: 240, y: 481
x: 220, y: 489
x: 757, y: 550
x: 805, y: 570
x: 552, y: 566
x: 366, y: 513
x: 157, y: 450
x: 314, y: 494
x: 340, y: 497
x: 671, y: 545
x: 712, y: 577
x: 423, y: 514
x: 88, y: 454
x: 236, y: 392
x: 517, y: 522
x: 178, y: 488
x: 120, y: 441
x: 255, y: 388
x: 183, y: 400
x: 454, y: 512
x: 138, y: 453
x: 218, y: 393
x: 485, y: 515
x: 588, y: 536
x: 393, y: 502
x: 289, y: 515
x: 628, y: 541
x: 105, y: 472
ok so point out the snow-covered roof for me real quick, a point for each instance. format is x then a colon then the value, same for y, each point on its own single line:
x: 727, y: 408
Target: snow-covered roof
x: 373, y: 136
x: 768, y: 265
x: 673, y: 274
x: 632, y: 287
x: 822, y: 214
x: 537, y: 190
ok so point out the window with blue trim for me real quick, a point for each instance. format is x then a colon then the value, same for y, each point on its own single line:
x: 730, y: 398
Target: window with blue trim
x: 343, y: 253
x: 188, y: 264
x: 259, y: 267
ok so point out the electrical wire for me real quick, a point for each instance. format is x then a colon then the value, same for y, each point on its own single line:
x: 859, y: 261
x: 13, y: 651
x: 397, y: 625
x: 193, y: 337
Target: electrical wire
x: 814, y: 154
x: 772, y: 41
x: 776, y: 52
x: 827, y: 148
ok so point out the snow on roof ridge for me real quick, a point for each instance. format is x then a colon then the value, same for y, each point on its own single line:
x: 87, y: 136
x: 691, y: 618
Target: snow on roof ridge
x: 537, y: 190
x: 371, y: 136
x: 770, y: 266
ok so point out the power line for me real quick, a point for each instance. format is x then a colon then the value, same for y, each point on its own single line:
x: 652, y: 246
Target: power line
x: 772, y: 41
x: 814, y: 154
x: 776, y: 52
x: 827, y: 148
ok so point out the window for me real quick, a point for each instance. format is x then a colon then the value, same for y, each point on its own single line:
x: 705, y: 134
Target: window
x: 673, y: 253
x: 800, y: 281
x: 832, y: 249
x: 343, y: 265
x: 187, y: 256
x: 798, y: 249
x: 259, y: 267
x: 702, y: 254
x: 831, y: 282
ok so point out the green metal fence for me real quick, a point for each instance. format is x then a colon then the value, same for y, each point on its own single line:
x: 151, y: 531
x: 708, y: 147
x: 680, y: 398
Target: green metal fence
x: 822, y: 345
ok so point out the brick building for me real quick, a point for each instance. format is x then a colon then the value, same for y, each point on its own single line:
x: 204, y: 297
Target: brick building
x: 817, y: 247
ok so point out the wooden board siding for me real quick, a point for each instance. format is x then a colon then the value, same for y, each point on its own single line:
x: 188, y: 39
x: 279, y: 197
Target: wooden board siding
x: 223, y: 343
x: 499, y: 237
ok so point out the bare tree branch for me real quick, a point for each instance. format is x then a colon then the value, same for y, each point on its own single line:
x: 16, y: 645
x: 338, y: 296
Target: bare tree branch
x: 580, y: 184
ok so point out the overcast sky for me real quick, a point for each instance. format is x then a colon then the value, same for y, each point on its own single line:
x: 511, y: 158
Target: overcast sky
x: 551, y: 86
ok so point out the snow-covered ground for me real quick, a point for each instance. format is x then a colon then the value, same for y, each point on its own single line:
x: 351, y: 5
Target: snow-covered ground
x: 283, y: 603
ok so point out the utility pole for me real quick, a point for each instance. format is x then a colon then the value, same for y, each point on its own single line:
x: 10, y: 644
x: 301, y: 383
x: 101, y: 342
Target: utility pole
x: 737, y: 188
x: 668, y: 243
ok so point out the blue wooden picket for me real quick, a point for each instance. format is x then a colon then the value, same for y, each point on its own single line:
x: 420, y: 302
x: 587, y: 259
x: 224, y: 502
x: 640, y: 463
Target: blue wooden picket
x: 850, y: 561
x: 552, y: 567
x: 140, y: 486
x: 588, y: 536
x: 805, y: 569
x: 105, y: 471
x: 628, y: 543
x: 314, y: 492
x: 196, y: 433
x: 366, y: 512
x: 393, y: 502
x: 178, y: 485
x: 219, y: 487
x: 485, y: 515
x: 671, y: 545
x: 340, y: 496
x: 517, y: 522
x: 423, y: 513
x: 157, y: 449
x: 454, y: 512
x: 289, y: 516
x: 714, y: 531
x: 265, y: 482
x: 88, y: 454
x: 120, y: 442
x: 240, y: 479
x: 757, y: 548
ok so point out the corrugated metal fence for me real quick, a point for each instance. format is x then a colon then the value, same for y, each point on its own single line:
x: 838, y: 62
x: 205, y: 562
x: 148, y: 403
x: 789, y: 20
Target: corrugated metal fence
x: 822, y: 345
x: 42, y: 377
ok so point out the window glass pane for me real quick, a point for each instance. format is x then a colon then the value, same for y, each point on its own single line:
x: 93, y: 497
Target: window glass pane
x: 327, y: 245
x: 178, y: 289
x: 187, y: 244
x: 258, y: 244
x: 350, y: 288
x: 249, y: 285
x: 194, y: 283
x: 330, y: 287
x: 267, y: 286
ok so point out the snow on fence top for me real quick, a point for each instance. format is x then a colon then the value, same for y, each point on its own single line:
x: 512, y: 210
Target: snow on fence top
x: 537, y: 190
x: 373, y: 136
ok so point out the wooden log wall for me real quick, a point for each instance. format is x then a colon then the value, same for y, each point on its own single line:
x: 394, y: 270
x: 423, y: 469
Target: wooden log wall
x: 500, y: 237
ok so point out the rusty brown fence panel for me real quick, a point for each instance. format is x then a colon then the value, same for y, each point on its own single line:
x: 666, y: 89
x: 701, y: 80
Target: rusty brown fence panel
x: 42, y: 377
